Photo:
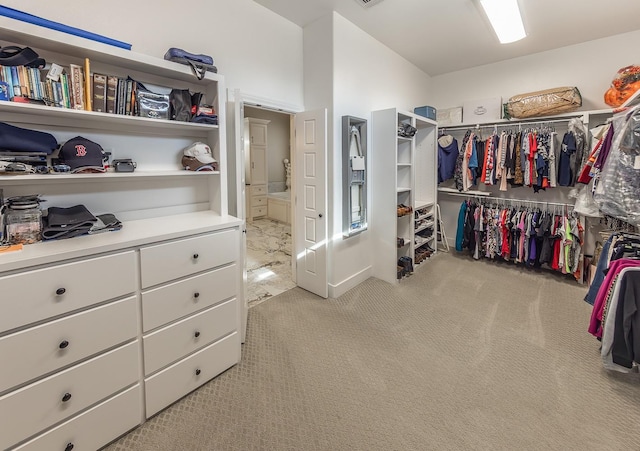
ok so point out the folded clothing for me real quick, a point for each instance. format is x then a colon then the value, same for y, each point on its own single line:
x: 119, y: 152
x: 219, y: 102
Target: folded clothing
x: 67, y: 222
x: 105, y: 223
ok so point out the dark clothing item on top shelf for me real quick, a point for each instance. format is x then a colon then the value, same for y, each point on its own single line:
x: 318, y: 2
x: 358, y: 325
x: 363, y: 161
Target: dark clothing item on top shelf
x: 447, y: 156
x: 67, y: 222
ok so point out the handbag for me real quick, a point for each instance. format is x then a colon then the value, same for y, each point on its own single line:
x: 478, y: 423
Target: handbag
x: 180, y: 100
x: 199, y: 63
x: 151, y: 104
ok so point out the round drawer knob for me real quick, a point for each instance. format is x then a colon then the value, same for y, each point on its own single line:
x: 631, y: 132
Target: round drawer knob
x: 197, y: 334
x: 196, y: 295
x: 61, y: 291
x: 69, y: 447
x: 66, y: 397
x: 195, y: 256
x: 198, y: 372
x: 63, y: 344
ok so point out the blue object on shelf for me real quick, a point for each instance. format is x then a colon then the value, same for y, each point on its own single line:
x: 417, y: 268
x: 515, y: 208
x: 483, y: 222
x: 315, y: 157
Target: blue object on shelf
x: 30, y: 18
x: 427, y: 111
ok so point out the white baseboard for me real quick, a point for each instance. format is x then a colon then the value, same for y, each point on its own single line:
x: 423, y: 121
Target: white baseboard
x: 350, y: 282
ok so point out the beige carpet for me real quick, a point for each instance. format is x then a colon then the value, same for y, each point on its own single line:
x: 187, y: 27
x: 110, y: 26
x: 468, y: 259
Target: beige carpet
x: 462, y: 355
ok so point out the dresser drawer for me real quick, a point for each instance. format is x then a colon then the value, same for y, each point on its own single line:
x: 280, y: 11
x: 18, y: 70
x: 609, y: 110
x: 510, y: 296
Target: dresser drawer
x: 179, y: 299
x: 33, y: 352
x: 35, y: 407
x: 177, y: 340
x: 167, y: 261
x: 258, y: 201
x: 171, y: 384
x: 94, y: 428
x: 33, y: 296
x: 257, y: 190
x: 258, y: 211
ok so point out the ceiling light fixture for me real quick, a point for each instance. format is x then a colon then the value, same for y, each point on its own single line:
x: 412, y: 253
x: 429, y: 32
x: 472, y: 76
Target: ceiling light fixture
x: 505, y: 19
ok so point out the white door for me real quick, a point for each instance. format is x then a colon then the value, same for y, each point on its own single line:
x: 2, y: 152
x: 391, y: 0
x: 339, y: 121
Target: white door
x: 310, y: 246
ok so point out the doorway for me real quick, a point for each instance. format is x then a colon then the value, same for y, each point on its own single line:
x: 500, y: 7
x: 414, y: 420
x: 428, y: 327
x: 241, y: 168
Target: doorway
x: 267, y: 205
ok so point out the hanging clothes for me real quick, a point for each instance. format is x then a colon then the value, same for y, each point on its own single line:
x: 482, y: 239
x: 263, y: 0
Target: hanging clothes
x: 531, y: 236
x: 447, y: 157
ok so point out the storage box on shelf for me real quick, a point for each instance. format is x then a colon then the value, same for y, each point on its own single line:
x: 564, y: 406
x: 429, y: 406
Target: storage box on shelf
x: 159, y: 301
x: 411, y: 186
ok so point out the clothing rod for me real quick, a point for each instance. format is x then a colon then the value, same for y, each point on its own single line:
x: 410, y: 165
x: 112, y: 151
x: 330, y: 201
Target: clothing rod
x: 503, y: 199
x: 506, y: 124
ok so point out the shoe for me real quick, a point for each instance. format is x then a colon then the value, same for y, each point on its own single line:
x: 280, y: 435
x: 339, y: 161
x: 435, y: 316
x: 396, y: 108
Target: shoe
x: 400, y: 242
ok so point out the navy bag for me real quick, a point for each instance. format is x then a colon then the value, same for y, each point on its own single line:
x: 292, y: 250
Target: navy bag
x: 199, y: 63
x: 16, y: 139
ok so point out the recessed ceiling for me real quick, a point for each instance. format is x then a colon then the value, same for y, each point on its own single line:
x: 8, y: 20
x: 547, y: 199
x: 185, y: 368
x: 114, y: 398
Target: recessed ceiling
x: 441, y: 36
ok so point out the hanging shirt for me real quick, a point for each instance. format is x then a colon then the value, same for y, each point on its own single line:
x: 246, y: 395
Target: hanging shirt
x: 567, y: 148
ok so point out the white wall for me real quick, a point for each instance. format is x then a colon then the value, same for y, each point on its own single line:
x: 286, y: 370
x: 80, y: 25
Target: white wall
x: 255, y: 49
x: 590, y: 66
x: 367, y: 76
x: 278, y: 137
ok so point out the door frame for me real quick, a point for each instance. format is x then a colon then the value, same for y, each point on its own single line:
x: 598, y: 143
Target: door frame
x: 238, y: 99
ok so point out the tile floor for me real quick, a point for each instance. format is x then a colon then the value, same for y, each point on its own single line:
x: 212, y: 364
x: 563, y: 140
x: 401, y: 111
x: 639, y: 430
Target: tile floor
x: 268, y: 260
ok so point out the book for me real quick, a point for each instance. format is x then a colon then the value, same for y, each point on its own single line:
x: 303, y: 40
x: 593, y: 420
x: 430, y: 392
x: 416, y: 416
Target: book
x: 77, y: 86
x: 65, y: 90
x: 99, y: 102
x: 16, y: 81
x: 127, y: 98
x: 112, y: 87
x: 87, y: 85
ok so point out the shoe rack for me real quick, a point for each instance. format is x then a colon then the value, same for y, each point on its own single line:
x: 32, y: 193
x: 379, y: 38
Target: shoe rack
x: 403, y: 181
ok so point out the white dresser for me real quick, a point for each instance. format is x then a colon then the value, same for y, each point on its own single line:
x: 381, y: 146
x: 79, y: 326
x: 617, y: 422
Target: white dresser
x: 80, y: 337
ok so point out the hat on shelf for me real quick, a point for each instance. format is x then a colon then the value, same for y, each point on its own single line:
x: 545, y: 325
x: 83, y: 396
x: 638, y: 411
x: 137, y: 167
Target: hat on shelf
x: 82, y: 155
x: 198, y: 157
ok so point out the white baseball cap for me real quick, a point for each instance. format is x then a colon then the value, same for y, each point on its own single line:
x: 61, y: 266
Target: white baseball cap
x: 201, y: 152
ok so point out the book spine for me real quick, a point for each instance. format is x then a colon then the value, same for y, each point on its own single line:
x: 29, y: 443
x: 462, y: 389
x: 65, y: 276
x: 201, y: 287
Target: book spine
x: 112, y: 87
x: 24, y: 81
x: 9, y: 79
x: 87, y: 85
x: 16, y: 81
x: 77, y: 86
x: 99, y: 93
x: 127, y: 98
x: 54, y: 91
x: 65, y: 90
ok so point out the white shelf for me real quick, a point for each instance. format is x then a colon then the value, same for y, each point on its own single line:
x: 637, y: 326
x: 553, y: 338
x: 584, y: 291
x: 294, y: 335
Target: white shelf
x: 404, y: 139
x: 56, y: 41
x: 133, y: 233
x: 404, y: 165
x: 420, y: 204
x: 30, y: 179
x: 403, y: 190
x: 102, y: 121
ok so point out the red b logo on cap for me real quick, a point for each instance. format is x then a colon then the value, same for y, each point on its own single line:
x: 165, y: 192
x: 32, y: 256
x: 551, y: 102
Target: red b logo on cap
x: 81, y: 150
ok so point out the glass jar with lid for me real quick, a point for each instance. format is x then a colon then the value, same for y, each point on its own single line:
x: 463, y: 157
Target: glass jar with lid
x: 23, y: 219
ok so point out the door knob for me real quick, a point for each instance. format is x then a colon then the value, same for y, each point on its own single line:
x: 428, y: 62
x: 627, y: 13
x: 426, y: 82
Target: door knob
x: 66, y: 397
x: 63, y: 344
x: 69, y: 447
x: 60, y: 291
x: 198, y: 372
x: 320, y: 215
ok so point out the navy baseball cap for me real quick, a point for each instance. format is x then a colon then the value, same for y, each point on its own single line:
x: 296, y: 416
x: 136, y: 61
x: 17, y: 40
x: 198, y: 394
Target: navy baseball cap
x: 82, y: 154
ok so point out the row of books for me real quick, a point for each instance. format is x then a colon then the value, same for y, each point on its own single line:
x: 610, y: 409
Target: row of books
x: 71, y: 88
